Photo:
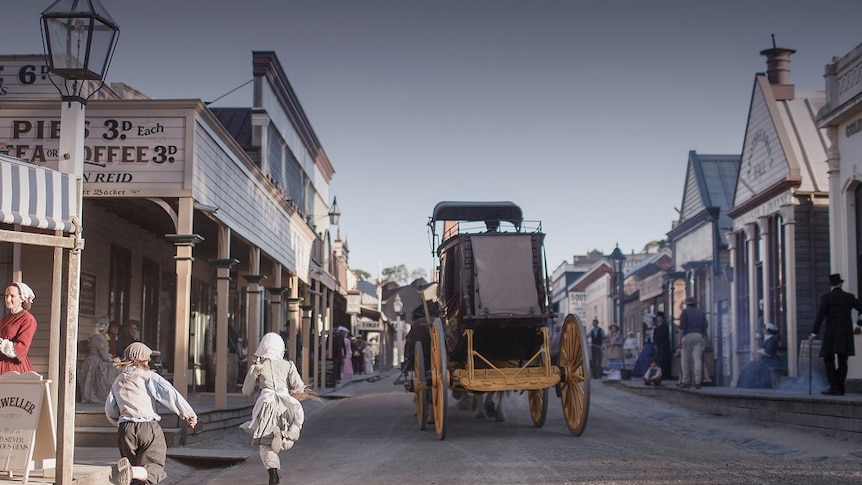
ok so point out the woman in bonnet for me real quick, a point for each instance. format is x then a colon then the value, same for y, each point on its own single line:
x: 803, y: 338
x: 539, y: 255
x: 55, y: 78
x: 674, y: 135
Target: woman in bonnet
x: 277, y: 417
x: 97, y: 371
x: 17, y: 329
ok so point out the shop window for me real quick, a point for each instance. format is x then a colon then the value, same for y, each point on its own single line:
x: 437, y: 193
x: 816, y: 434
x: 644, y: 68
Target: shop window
x: 776, y: 277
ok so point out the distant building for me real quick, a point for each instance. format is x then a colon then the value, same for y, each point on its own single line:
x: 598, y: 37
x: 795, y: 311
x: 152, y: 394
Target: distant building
x: 700, y: 252
x: 564, y: 300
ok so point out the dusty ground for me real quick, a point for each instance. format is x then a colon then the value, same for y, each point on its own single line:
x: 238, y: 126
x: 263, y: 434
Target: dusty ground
x: 373, y: 437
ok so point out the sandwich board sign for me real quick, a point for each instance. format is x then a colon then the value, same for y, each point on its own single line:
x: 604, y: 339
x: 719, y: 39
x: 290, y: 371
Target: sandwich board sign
x: 27, y: 432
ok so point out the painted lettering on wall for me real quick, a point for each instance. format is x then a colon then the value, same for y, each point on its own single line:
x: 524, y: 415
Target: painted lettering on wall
x: 759, y: 166
x: 27, y: 76
x: 122, y: 155
x: 853, y: 128
x: 849, y: 79
x: 42, y: 130
x: 767, y: 208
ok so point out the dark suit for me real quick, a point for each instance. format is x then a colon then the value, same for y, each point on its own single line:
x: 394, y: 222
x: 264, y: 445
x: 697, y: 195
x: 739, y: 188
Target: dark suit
x: 835, y: 309
x: 663, y: 353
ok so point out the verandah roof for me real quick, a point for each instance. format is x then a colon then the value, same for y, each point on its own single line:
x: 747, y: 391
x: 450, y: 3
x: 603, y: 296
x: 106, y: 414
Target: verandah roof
x: 35, y: 196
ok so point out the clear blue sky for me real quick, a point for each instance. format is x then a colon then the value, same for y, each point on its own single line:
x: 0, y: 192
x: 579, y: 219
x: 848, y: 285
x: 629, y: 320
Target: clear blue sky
x: 583, y: 113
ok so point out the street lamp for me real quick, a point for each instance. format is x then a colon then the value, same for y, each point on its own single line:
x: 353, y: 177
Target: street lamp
x: 398, y: 306
x: 334, y: 213
x: 79, y: 37
x: 618, y: 259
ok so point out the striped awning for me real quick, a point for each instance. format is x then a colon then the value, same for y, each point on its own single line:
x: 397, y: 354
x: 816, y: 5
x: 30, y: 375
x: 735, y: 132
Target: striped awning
x: 35, y: 196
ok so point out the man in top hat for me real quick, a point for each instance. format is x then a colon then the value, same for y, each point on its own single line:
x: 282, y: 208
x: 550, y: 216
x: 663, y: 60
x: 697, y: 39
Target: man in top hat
x: 835, y: 309
x: 692, y: 326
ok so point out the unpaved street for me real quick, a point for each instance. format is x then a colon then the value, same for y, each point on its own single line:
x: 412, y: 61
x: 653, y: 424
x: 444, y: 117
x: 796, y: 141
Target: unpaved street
x: 373, y: 437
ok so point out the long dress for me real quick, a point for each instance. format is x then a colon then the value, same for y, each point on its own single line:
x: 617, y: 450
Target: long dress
x: 347, y: 371
x: 19, y: 328
x: 757, y: 374
x: 614, y: 354
x: 369, y: 360
x: 274, y: 408
x: 648, y: 353
x: 97, y: 371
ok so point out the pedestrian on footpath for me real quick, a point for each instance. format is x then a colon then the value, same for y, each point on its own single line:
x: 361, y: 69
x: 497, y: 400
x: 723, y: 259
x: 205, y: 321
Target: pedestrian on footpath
x: 277, y: 417
x: 661, y: 340
x: 596, y: 338
x: 836, y: 309
x: 693, y: 326
x: 131, y: 404
x: 614, y: 353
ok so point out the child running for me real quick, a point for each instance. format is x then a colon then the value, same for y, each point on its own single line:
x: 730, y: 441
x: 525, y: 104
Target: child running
x: 132, y: 405
x: 277, y: 417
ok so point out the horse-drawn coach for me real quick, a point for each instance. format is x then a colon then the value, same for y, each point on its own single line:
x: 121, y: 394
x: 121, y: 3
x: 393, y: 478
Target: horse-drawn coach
x: 492, y: 333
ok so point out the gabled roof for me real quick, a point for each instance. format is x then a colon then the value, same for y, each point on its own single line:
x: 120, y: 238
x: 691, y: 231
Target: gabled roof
x: 783, y: 148
x: 654, y: 263
x: 710, y: 181
x: 598, y: 270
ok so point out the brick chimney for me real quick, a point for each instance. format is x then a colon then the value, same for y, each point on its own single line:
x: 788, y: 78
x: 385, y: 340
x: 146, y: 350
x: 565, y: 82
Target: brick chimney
x: 778, y: 71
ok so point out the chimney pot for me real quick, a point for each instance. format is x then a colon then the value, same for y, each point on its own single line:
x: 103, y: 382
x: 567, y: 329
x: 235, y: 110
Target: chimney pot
x: 778, y: 71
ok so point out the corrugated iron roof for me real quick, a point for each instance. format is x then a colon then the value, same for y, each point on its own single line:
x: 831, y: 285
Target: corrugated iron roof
x: 237, y: 121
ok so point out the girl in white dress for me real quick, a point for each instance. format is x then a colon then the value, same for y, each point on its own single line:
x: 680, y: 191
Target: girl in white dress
x: 277, y: 417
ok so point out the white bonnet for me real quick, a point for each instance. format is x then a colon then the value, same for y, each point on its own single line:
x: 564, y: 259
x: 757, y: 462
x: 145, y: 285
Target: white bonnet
x: 137, y: 351
x: 26, y: 291
x: 271, y: 347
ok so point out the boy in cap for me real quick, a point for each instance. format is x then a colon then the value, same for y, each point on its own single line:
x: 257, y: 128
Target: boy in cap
x: 132, y: 405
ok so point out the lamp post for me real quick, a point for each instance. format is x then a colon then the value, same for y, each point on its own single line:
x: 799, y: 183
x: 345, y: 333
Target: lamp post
x: 398, y: 306
x: 79, y: 37
x: 618, y: 259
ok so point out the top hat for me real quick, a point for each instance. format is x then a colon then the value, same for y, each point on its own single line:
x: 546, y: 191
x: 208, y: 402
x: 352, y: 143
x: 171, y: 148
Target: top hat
x: 690, y: 301
x: 835, y: 279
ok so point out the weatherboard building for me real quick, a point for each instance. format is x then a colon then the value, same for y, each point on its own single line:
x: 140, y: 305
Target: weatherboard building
x: 195, y: 219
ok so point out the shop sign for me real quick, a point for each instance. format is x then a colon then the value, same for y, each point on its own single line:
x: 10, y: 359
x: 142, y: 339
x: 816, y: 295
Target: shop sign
x: 124, y: 155
x: 769, y: 207
x: 28, y: 77
x: 354, y: 299
x: 26, y: 423
x: 367, y: 325
x: 578, y: 304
